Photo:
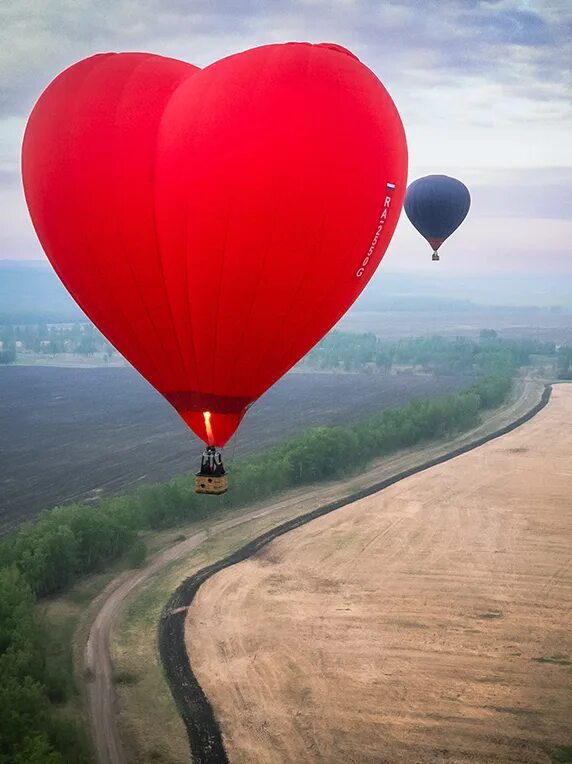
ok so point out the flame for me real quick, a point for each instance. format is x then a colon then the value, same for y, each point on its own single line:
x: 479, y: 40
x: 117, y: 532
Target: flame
x: 208, y: 428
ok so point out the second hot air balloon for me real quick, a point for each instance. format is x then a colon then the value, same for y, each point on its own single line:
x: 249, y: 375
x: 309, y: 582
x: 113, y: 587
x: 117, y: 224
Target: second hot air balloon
x: 214, y: 224
x: 436, y: 205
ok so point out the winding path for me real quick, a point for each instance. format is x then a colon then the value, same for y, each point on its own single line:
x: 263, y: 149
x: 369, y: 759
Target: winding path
x: 97, y: 663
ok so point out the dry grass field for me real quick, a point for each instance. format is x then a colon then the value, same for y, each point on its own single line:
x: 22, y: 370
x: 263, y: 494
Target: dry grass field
x: 428, y: 623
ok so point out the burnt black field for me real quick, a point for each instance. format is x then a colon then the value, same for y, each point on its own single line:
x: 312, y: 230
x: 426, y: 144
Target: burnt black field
x: 76, y: 434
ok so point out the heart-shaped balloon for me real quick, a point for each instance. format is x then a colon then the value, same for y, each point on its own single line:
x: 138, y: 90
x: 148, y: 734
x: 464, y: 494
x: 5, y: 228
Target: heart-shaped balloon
x: 216, y: 223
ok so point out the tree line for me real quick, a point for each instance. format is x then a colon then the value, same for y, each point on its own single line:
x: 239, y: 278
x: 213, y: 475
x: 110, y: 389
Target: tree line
x: 30, y: 733
x: 564, y: 362
x: 354, y: 352
x: 65, y: 543
x: 77, y: 338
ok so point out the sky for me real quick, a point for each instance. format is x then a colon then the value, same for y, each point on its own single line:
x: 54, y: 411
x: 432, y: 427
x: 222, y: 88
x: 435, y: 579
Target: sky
x: 484, y: 88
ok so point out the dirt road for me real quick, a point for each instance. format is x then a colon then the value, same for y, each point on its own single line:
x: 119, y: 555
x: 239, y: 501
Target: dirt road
x: 100, y: 693
x: 426, y: 623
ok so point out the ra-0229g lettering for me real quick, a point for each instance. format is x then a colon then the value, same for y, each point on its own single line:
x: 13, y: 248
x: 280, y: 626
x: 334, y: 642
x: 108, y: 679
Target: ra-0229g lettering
x: 378, y: 231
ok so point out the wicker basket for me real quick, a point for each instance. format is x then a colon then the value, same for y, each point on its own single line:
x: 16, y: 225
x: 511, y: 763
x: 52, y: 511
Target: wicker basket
x: 214, y: 484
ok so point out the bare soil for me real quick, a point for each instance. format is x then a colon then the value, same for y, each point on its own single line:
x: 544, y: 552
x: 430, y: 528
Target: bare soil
x: 77, y: 434
x: 427, y: 623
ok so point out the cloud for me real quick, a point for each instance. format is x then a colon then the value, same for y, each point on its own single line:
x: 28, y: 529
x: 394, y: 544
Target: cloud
x: 513, y: 27
x: 475, y: 38
x: 38, y: 38
x: 544, y: 194
x: 17, y: 238
x: 483, y: 87
x: 493, y: 244
x: 9, y: 178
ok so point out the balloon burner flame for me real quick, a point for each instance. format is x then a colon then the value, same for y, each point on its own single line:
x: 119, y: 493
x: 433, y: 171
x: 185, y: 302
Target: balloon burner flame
x: 208, y: 427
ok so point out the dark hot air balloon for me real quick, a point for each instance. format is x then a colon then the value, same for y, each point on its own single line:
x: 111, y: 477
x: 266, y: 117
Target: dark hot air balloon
x: 437, y: 205
x: 214, y: 224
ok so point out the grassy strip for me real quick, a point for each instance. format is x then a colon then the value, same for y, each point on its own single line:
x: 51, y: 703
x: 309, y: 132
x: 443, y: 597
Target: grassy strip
x: 69, y: 542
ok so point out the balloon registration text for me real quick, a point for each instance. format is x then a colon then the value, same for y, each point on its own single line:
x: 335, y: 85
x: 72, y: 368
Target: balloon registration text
x: 379, y: 229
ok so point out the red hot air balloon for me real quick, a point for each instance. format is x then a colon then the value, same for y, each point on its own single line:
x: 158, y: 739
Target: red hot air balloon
x: 214, y: 224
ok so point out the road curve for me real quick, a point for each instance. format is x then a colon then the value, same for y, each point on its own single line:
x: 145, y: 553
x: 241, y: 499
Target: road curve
x: 97, y: 660
x: 97, y: 664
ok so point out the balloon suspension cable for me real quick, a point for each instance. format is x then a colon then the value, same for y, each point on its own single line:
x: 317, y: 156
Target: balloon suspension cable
x: 211, y: 460
x: 234, y: 443
x: 211, y: 478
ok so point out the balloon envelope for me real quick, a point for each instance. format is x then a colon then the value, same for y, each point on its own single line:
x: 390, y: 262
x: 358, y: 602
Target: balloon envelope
x: 215, y: 223
x: 437, y: 205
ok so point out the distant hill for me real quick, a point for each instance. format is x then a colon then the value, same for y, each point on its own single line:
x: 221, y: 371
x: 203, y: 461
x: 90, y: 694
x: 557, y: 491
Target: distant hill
x: 443, y: 290
x: 30, y: 292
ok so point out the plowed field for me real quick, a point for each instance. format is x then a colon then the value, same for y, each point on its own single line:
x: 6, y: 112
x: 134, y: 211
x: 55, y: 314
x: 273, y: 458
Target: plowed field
x: 78, y: 434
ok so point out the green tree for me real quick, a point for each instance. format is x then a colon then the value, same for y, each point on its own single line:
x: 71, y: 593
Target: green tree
x: 137, y: 554
x: 8, y: 354
x: 36, y: 749
x: 564, y: 361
